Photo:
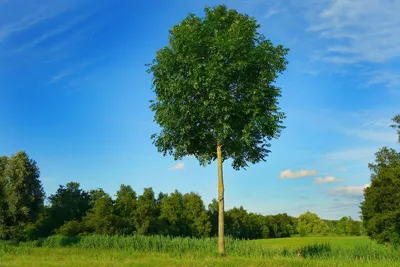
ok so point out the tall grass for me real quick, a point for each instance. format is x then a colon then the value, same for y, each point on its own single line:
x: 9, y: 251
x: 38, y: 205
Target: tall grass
x: 366, y: 251
x: 163, y: 244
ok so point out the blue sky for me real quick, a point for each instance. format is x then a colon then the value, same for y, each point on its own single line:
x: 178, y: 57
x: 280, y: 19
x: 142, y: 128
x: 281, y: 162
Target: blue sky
x: 74, y: 96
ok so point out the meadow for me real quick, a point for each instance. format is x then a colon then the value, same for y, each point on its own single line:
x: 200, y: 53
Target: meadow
x: 164, y: 251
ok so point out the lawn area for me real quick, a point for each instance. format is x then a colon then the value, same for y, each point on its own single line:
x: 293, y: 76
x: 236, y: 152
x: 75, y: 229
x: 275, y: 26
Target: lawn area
x: 346, y: 251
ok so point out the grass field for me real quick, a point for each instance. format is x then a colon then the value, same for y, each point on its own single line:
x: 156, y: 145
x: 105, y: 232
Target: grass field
x: 296, y: 251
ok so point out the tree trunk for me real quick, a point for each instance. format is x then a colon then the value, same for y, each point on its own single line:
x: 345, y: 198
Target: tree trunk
x: 221, y: 241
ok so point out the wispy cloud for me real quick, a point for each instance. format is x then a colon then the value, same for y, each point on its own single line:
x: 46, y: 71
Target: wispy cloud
x: 54, y: 32
x: 57, y: 77
x: 362, y: 31
x: 326, y: 180
x: 289, y: 174
x: 30, y: 20
x: 342, y: 206
x: 271, y: 12
x: 71, y: 70
x: 373, y: 135
x: 351, y: 154
x: 341, y: 169
x: 350, y: 191
x: 389, y: 78
x: 178, y: 166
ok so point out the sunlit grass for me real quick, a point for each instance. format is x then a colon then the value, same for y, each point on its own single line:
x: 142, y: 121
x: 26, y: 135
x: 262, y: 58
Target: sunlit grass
x: 165, y: 251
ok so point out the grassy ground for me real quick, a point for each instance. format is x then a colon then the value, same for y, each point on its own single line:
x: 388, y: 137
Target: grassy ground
x: 346, y: 251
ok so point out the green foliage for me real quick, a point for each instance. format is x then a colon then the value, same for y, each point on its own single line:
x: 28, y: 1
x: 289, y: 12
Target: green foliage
x: 310, y: 223
x: 125, y: 206
x: 147, y: 213
x: 71, y: 228
x: 73, y: 212
x: 101, y: 218
x: 214, y: 85
x: 381, y: 206
x: 21, y: 194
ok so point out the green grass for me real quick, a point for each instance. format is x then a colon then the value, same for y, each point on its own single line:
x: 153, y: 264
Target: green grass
x: 164, y: 251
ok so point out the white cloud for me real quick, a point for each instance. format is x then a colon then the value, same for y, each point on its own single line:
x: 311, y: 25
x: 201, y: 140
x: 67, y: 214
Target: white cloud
x: 289, y: 174
x: 365, y: 31
x: 178, y: 166
x: 326, y: 180
x: 348, y: 190
x: 341, y: 169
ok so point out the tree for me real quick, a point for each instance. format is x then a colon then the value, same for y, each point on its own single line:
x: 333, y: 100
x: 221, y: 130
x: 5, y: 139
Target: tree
x: 68, y: 203
x: 237, y: 222
x: 381, y: 206
x: 23, y: 193
x: 101, y: 219
x: 125, y: 206
x: 146, y: 213
x: 380, y: 210
x: 213, y: 215
x: 195, y: 215
x: 310, y: 223
x: 215, y: 93
x: 171, y: 212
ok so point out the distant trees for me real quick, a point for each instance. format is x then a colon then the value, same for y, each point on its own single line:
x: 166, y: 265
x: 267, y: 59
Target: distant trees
x: 72, y: 211
x: 381, y: 206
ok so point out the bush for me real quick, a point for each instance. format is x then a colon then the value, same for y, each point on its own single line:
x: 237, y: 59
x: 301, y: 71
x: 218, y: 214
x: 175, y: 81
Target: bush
x: 71, y: 228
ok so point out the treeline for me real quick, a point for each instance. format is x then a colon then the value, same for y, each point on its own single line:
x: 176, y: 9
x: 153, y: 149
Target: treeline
x: 72, y: 211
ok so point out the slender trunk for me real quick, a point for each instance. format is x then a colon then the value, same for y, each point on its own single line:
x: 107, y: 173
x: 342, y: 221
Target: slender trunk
x: 221, y: 241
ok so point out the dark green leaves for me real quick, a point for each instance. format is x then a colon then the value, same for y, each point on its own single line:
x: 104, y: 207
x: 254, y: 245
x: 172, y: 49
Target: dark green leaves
x: 214, y: 85
x: 381, y: 207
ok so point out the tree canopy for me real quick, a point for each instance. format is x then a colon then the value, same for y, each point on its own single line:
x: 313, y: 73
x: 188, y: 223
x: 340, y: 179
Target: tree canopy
x: 214, y: 85
x: 381, y: 206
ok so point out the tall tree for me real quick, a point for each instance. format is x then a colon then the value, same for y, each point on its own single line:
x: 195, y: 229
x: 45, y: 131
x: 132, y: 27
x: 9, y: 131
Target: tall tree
x: 381, y: 206
x: 23, y: 192
x: 146, y: 213
x: 215, y: 93
x: 171, y: 212
x: 101, y: 219
x: 125, y: 206
x: 68, y: 203
x: 195, y: 215
x: 380, y: 209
